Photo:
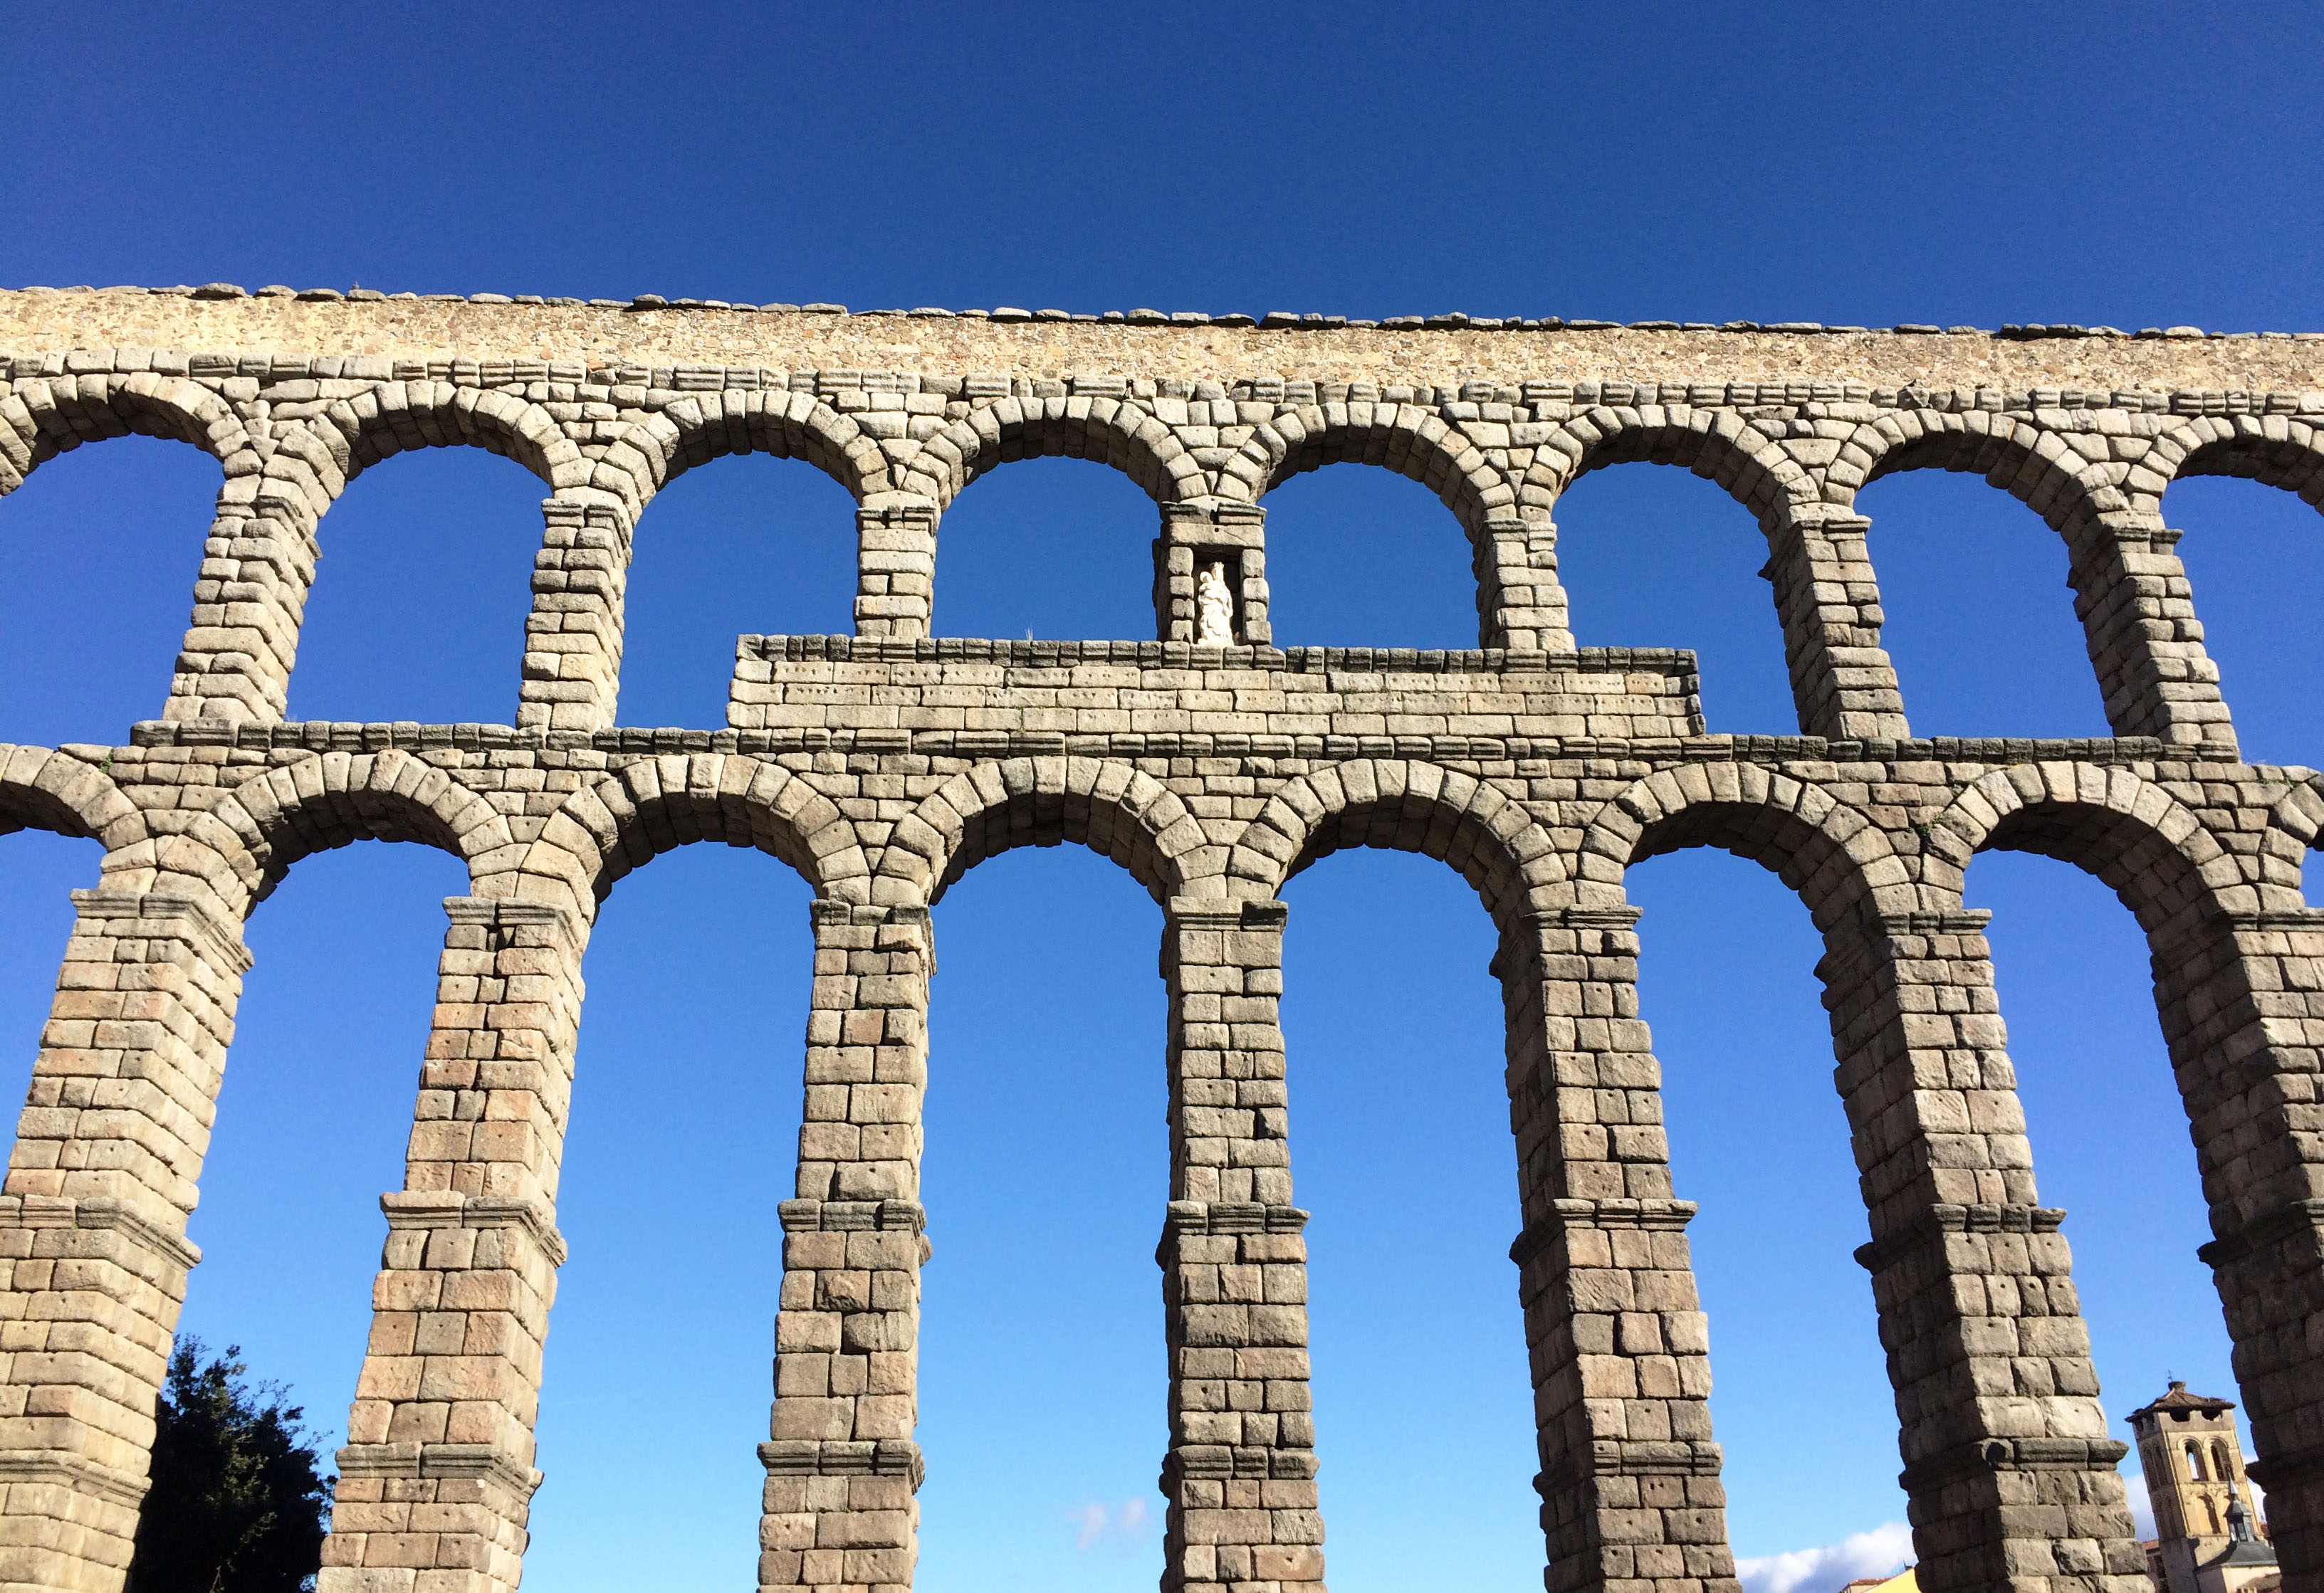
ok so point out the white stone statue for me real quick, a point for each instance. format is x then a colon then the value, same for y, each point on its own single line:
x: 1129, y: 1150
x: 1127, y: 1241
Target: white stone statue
x: 1214, y: 607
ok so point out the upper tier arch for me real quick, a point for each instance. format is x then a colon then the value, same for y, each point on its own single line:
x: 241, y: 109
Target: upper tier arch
x: 396, y: 416
x: 1750, y: 463
x: 652, y: 452
x: 2038, y: 466
x: 1409, y: 440
x: 2285, y: 451
x: 41, y: 419
x: 1109, y: 431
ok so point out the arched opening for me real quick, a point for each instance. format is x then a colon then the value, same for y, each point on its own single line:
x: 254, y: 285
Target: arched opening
x: 682, y: 1137
x: 103, y: 546
x: 1362, y: 557
x: 1657, y: 556
x: 1760, y: 1141
x: 2108, y: 1131
x: 314, y: 1116
x: 1980, y: 621
x: 2195, y: 1468
x: 420, y: 592
x: 748, y: 545
x: 38, y: 872
x: 1054, y: 549
x: 1043, y: 1375
x: 2254, y: 559
x: 1400, y: 1148
x: 2221, y: 1466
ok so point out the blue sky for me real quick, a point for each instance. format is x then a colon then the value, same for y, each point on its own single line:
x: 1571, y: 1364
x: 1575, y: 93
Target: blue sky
x: 1983, y: 164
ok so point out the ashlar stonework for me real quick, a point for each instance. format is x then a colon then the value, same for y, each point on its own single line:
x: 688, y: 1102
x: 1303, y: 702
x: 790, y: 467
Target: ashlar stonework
x: 1211, y: 765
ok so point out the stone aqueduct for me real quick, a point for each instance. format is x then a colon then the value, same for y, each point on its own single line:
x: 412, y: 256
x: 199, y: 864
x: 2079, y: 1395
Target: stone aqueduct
x: 882, y: 765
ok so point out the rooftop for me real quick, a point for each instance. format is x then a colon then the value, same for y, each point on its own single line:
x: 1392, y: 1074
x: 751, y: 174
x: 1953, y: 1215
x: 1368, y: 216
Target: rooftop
x: 2176, y: 1400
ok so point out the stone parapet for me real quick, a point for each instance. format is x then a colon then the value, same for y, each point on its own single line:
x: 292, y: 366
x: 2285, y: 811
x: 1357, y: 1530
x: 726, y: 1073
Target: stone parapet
x: 842, y: 685
x: 689, y: 336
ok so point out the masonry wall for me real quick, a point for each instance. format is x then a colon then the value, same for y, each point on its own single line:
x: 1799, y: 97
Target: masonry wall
x: 884, y: 764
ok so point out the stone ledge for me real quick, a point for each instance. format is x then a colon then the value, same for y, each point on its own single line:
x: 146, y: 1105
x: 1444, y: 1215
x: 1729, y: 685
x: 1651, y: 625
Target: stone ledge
x: 838, y: 915
x: 322, y: 736
x: 1984, y: 1456
x: 838, y: 1457
x: 1943, y: 921
x: 1602, y: 916
x: 1631, y: 1457
x: 470, y: 1462
x: 1200, y: 913
x: 1933, y: 1224
x: 2294, y: 1466
x: 1186, y: 655
x: 2295, y: 1219
x: 428, y: 1209
x: 1568, y: 1215
x: 1231, y: 1217
x: 210, y: 930
x: 103, y: 1213
x: 2261, y: 921
x: 509, y: 912
x: 1226, y: 1461
x: 811, y: 1216
x: 75, y: 1472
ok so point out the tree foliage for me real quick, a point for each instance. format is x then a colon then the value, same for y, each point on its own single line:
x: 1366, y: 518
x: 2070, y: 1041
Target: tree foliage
x: 238, y: 1497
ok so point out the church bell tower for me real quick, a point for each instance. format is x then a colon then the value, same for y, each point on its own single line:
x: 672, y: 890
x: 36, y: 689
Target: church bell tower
x: 2203, y: 1507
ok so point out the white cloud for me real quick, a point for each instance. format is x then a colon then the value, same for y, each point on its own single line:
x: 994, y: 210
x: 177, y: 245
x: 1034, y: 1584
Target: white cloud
x: 1882, y: 1551
x: 1120, y: 1527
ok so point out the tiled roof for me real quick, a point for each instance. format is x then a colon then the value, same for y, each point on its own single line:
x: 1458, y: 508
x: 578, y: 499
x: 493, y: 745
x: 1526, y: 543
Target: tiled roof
x: 2176, y: 1398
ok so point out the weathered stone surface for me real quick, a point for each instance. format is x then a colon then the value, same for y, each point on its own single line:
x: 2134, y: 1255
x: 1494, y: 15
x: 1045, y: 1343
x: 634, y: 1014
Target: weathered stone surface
x: 883, y: 765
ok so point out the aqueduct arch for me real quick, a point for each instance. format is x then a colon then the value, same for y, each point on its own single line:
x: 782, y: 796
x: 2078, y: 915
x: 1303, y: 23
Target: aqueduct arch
x: 881, y: 765
x: 1114, y: 810
x: 2281, y: 451
x: 42, y: 419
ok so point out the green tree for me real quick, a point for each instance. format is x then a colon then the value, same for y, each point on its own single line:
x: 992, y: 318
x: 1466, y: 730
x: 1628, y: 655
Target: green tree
x: 238, y: 1497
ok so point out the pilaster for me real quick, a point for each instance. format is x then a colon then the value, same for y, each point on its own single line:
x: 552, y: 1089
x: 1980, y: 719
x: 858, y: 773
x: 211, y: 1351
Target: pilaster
x: 2006, y: 1458
x: 895, y: 566
x: 1828, y: 604
x: 2242, y: 999
x: 2137, y: 611
x: 93, y: 1252
x: 258, y: 565
x: 572, y: 673
x: 837, y: 1513
x: 1241, y: 1472
x: 1619, y: 1349
x: 436, y: 1479
x: 1520, y: 605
